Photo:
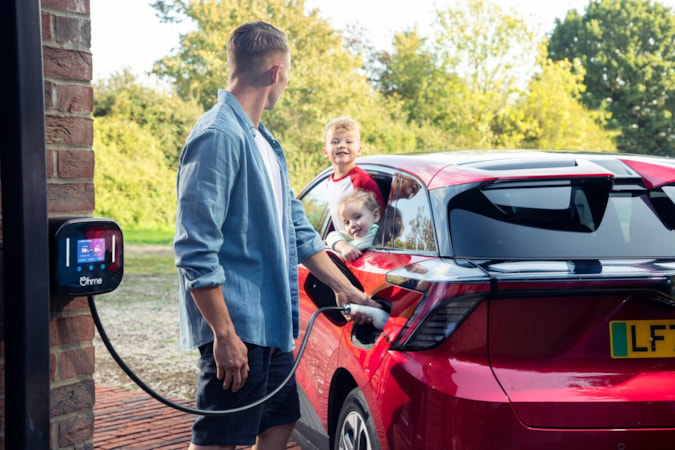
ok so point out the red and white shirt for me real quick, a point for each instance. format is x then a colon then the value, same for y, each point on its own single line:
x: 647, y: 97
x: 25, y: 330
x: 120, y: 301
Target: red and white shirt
x: 357, y: 178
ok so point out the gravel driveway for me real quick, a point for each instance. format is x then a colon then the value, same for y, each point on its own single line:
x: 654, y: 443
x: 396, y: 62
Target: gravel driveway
x: 141, y: 320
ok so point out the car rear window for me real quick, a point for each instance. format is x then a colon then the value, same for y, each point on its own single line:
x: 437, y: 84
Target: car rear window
x: 570, y: 219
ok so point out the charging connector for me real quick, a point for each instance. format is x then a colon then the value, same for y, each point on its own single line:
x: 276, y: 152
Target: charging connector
x: 378, y: 315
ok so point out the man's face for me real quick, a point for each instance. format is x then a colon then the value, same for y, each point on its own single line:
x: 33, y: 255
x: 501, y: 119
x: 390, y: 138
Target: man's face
x: 342, y: 146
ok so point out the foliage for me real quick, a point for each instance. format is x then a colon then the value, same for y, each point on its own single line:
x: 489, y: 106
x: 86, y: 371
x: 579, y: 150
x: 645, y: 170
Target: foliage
x: 487, y: 47
x: 138, y: 133
x: 627, y: 50
x: 134, y: 185
x: 464, y: 82
x: 426, y: 87
x: 551, y: 116
x: 166, y: 116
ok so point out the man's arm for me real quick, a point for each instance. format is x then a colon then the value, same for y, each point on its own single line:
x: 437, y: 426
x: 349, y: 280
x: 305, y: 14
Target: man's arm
x: 229, y: 352
x: 327, y: 272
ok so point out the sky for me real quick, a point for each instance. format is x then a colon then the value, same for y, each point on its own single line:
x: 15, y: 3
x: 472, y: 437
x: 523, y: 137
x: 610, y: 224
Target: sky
x: 127, y: 34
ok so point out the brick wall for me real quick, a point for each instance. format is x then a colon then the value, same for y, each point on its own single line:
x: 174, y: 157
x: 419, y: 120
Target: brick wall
x: 68, y: 97
x: 67, y: 63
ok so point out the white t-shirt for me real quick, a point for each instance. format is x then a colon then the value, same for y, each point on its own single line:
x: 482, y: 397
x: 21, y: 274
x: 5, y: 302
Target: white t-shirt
x: 274, y: 174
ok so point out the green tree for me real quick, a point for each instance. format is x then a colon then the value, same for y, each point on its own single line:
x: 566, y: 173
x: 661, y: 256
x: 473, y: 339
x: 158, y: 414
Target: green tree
x: 551, y: 115
x: 163, y: 114
x: 627, y: 48
x: 431, y: 96
x: 462, y: 76
x: 414, y: 74
x: 468, y: 80
x: 133, y: 183
x: 487, y: 45
x: 138, y: 133
x: 492, y: 50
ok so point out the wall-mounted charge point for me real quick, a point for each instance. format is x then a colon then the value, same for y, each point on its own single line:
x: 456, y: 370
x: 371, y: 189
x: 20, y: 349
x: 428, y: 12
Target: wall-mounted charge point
x: 87, y: 256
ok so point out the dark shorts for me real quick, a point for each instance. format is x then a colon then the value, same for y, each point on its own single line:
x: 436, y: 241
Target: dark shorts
x: 268, y: 367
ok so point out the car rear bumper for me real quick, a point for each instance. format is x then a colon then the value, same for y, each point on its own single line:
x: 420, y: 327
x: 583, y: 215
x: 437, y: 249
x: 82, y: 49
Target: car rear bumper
x: 469, y: 410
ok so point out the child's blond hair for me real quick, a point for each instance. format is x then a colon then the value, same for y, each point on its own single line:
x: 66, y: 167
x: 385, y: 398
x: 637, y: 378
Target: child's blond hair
x: 342, y: 123
x: 359, y: 196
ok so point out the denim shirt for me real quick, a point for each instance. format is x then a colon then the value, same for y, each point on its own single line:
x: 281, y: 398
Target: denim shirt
x: 227, y: 232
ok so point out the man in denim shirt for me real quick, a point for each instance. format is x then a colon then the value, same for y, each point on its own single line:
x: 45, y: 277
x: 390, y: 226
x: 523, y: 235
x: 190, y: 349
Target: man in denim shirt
x: 240, y: 235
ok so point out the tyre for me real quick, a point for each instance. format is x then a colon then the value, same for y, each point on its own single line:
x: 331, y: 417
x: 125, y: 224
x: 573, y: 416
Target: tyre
x: 355, y: 427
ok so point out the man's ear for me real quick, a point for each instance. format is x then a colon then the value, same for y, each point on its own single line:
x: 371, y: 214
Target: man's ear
x: 275, y: 71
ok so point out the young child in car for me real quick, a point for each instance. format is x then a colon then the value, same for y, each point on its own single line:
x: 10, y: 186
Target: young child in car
x: 342, y: 145
x: 359, y: 214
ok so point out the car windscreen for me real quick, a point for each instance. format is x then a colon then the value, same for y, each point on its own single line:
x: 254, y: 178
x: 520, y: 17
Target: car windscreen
x: 562, y: 219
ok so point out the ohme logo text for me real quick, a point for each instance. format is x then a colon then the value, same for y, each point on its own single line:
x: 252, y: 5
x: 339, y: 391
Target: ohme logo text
x: 86, y: 281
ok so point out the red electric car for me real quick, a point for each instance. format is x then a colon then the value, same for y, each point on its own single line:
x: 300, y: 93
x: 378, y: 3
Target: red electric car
x: 532, y: 307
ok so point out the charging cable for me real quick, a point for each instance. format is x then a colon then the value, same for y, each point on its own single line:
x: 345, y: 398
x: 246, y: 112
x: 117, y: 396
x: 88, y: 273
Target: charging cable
x: 203, y: 412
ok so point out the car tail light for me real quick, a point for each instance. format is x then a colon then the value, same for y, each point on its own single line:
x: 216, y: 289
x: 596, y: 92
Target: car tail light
x: 432, y: 325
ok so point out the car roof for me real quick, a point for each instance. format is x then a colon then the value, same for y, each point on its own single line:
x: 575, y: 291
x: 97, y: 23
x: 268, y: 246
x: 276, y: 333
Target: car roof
x: 440, y: 169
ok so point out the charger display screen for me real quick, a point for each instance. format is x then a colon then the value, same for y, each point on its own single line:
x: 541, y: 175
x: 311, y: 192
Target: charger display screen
x: 87, y: 256
x: 90, y: 250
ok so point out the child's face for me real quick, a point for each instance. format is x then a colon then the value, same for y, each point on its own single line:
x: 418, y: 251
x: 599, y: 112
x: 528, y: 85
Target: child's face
x: 357, y: 218
x: 342, y: 146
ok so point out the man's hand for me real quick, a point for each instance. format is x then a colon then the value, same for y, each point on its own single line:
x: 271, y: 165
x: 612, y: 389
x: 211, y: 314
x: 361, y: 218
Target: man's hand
x: 231, y: 356
x: 360, y: 298
x: 229, y: 351
x: 325, y: 270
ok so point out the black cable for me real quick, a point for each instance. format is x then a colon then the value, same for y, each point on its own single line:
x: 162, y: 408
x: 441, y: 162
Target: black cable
x: 202, y: 412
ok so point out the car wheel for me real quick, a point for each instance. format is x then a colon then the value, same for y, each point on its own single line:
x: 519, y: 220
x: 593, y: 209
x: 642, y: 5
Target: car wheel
x: 356, y: 429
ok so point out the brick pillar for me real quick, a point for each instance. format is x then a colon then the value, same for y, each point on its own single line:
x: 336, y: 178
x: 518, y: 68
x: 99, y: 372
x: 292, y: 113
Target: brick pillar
x: 67, y: 63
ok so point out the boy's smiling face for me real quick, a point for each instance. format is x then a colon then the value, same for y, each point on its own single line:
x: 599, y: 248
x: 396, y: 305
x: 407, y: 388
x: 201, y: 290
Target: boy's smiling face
x: 342, y: 147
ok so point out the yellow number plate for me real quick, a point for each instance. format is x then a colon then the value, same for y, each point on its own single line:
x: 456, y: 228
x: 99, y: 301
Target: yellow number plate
x: 642, y: 339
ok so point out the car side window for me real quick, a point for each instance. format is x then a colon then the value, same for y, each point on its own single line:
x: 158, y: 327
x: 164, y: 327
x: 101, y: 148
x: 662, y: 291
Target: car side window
x: 315, y: 202
x: 410, y: 212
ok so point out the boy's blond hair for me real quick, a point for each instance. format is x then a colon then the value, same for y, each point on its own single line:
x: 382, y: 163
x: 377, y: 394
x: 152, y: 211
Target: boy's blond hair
x: 342, y: 123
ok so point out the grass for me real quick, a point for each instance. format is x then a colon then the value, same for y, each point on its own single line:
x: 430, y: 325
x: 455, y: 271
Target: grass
x: 148, y: 237
x: 151, y: 263
x: 148, y: 252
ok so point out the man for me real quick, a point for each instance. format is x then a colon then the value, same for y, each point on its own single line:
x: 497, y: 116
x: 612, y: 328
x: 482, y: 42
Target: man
x: 240, y: 234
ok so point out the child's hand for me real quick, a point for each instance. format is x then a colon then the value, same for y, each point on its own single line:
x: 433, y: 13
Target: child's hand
x: 348, y: 251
